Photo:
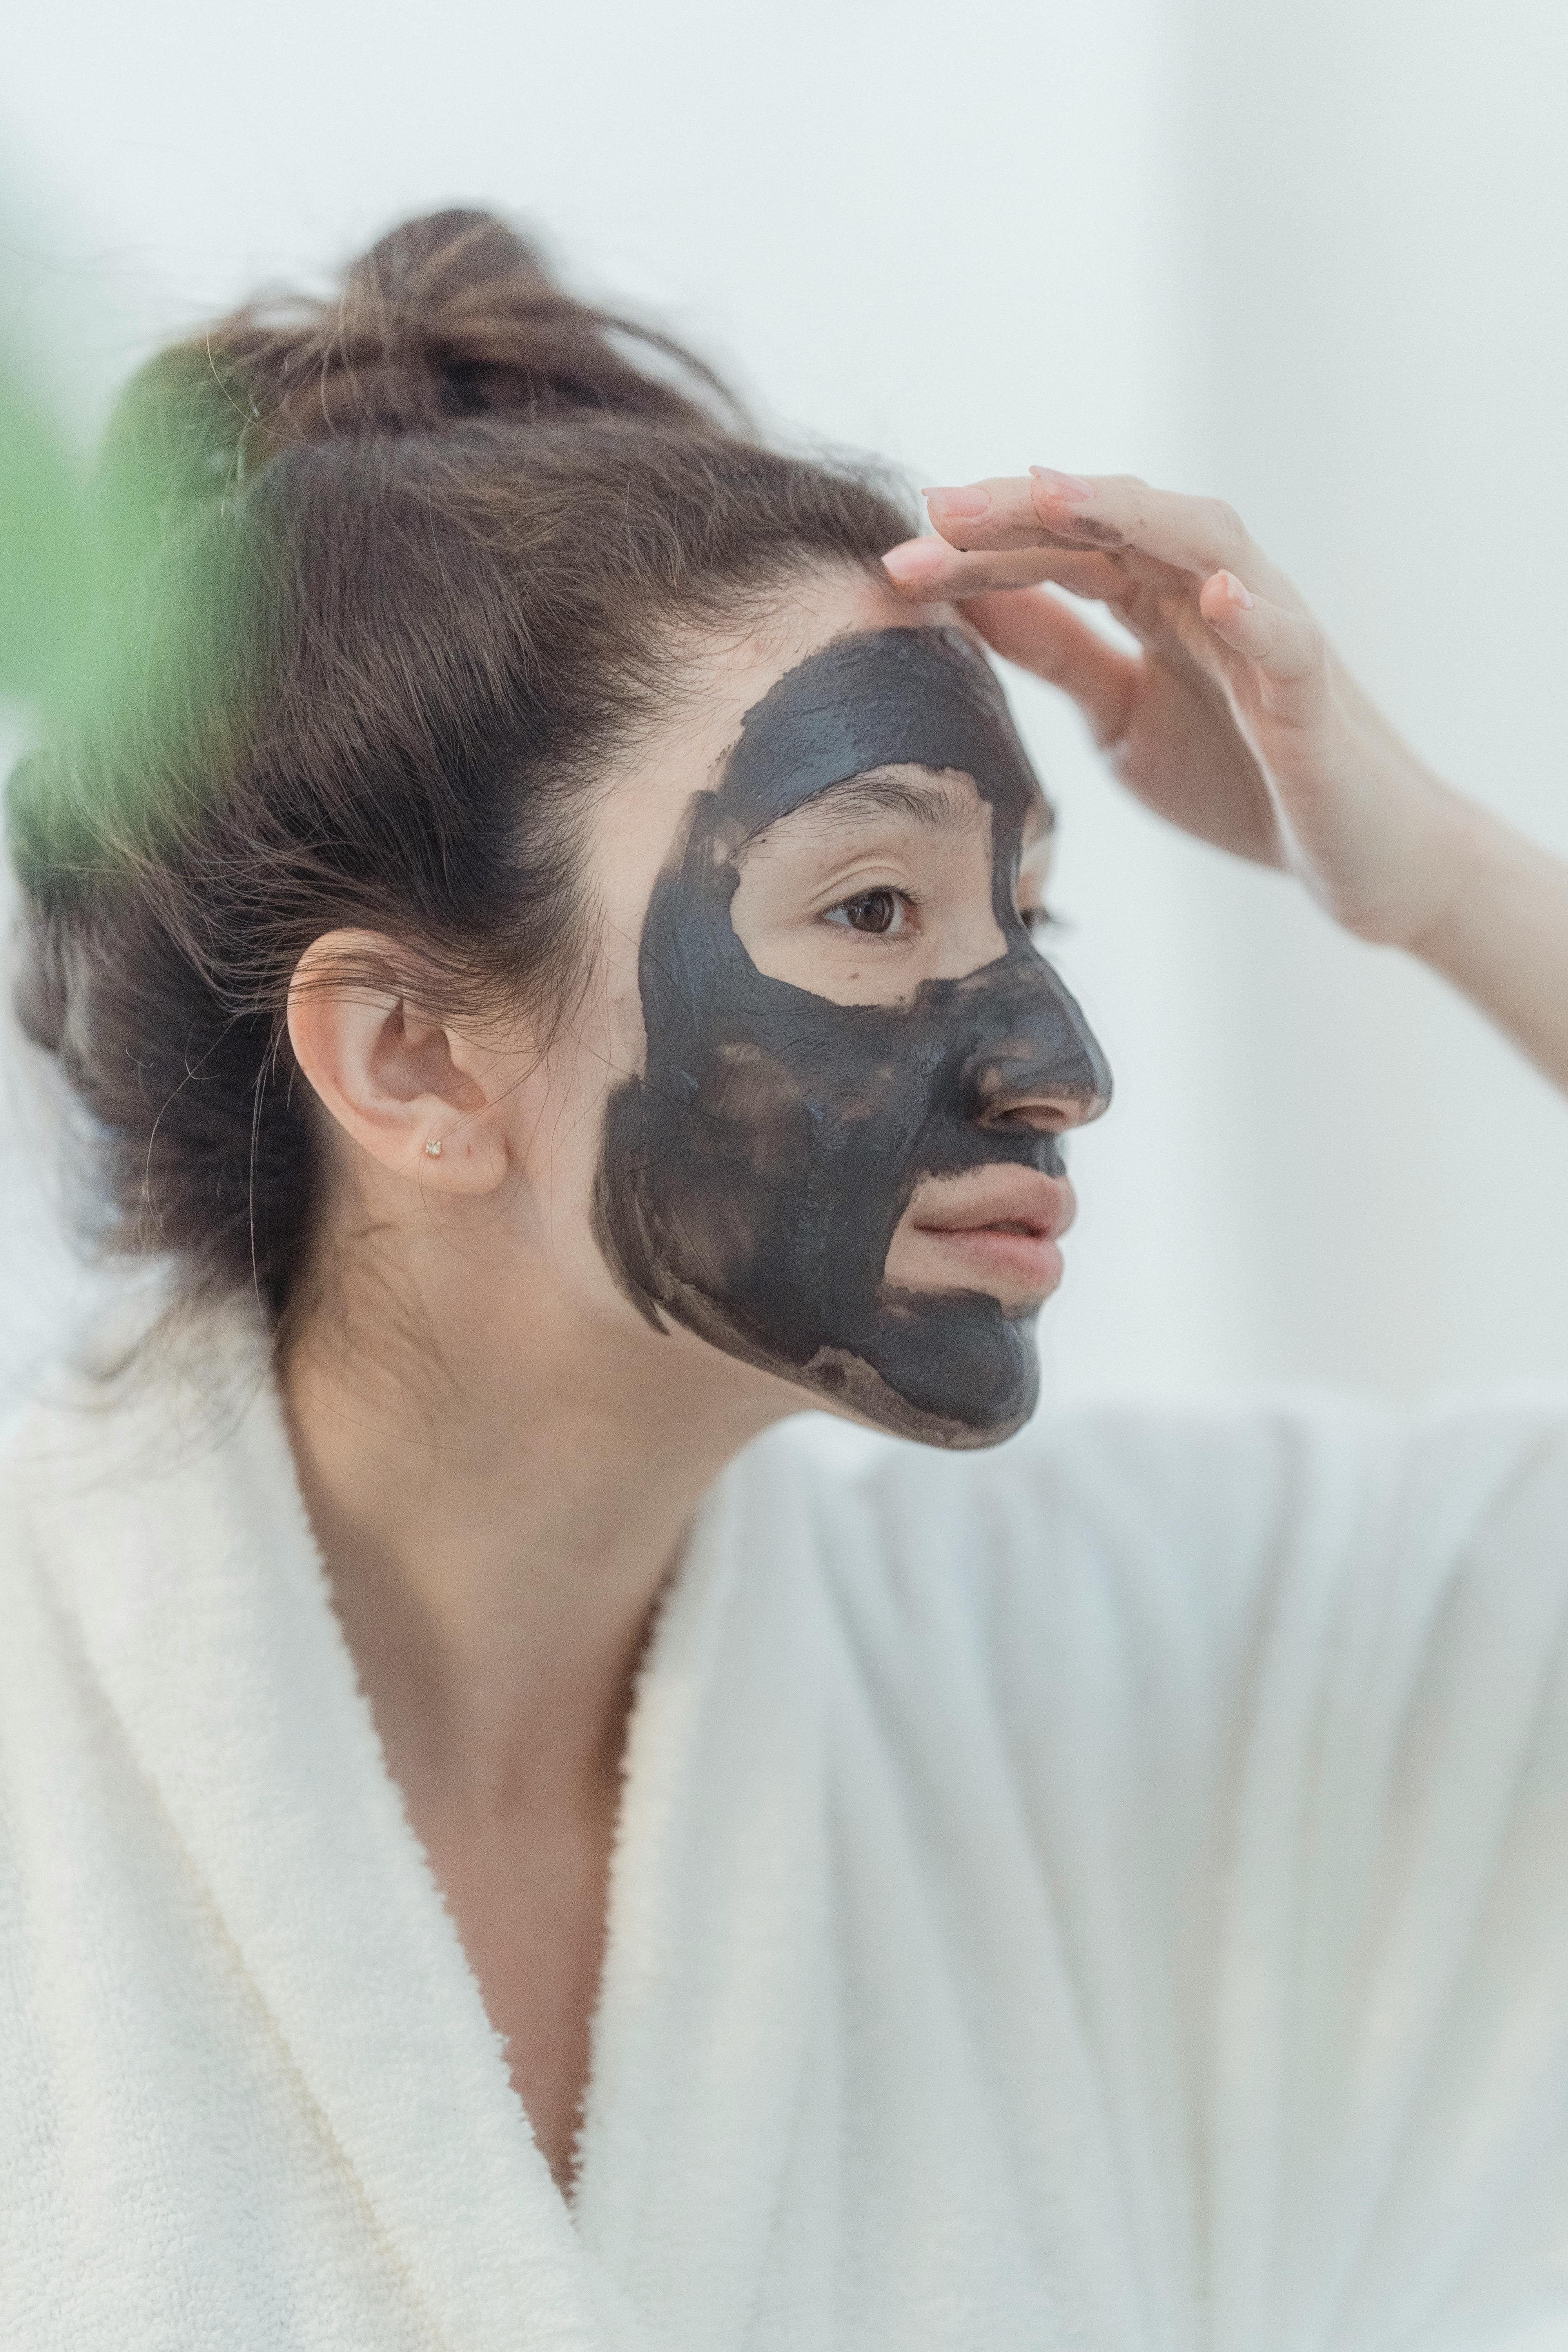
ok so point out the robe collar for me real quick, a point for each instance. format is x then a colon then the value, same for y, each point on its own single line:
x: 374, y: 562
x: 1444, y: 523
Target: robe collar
x: 190, y: 1564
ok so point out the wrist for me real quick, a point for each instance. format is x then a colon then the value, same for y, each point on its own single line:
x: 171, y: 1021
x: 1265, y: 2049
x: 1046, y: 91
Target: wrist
x: 1501, y: 937
x: 1418, y: 858
x: 1474, y: 857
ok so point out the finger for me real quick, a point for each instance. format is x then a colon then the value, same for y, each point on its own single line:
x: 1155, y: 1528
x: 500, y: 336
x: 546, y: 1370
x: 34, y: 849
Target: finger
x: 1041, y: 634
x: 1003, y: 513
x: 1288, y: 647
x: 929, y: 569
x: 1113, y: 511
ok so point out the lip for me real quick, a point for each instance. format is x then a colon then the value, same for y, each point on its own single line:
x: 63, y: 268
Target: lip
x: 994, y: 1229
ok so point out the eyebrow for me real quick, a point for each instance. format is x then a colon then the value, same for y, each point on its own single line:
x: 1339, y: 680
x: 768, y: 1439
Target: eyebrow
x: 937, y: 806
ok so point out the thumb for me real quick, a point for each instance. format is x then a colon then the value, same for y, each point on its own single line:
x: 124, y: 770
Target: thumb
x: 1040, y: 633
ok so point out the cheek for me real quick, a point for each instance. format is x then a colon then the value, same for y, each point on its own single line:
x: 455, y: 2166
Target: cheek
x: 623, y: 1043
x: 756, y: 1122
x: 558, y: 1110
x: 612, y: 1016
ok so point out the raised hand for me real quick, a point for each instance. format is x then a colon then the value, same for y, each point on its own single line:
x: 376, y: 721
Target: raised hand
x: 1236, y: 720
x: 1240, y: 723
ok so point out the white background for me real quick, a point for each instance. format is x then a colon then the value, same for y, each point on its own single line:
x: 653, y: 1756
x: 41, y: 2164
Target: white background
x: 1305, y: 256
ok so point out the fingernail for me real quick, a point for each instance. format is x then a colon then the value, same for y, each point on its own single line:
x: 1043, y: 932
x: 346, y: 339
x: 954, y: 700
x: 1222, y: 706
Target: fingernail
x: 955, y: 505
x: 1070, y: 486
x: 1237, y: 593
x: 916, y: 559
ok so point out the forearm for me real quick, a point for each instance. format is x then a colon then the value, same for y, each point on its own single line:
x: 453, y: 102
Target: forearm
x: 1503, y: 938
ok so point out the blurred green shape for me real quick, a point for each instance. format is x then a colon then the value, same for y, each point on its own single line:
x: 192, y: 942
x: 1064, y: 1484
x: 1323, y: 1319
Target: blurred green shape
x: 119, y: 641
x: 75, y: 540
x: 51, y: 585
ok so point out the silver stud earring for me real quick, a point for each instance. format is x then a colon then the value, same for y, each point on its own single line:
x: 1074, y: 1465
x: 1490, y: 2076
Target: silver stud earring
x: 433, y: 1149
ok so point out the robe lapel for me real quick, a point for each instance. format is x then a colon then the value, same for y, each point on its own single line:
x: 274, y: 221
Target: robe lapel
x: 205, y: 1615
x: 717, y: 1925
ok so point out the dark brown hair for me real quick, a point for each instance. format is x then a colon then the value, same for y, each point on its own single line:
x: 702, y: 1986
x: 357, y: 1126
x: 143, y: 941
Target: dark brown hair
x: 420, y: 555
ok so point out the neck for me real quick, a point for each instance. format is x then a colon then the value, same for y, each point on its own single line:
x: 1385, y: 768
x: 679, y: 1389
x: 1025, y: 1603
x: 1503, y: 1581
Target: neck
x: 498, y: 1519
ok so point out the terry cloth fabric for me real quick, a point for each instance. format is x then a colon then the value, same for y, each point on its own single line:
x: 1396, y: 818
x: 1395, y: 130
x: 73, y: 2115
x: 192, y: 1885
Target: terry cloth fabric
x: 1112, y: 1893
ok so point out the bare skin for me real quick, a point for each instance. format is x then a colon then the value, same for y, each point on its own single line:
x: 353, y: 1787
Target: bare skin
x: 500, y: 1456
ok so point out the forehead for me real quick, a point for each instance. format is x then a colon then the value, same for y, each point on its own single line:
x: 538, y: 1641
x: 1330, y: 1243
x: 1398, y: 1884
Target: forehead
x: 875, y: 700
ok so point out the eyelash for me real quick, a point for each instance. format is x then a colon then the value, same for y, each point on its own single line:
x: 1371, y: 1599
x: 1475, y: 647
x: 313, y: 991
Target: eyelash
x: 1035, y: 919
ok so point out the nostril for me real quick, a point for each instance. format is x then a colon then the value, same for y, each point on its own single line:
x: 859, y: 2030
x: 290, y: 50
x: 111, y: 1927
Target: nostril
x: 1042, y: 1114
x: 1035, y: 1119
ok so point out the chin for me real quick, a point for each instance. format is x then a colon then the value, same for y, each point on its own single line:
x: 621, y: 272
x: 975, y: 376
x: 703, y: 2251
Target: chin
x: 951, y: 1368
x: 981, y: 1399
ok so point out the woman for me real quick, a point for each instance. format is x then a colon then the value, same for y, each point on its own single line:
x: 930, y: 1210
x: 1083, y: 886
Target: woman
x: 546, y: 931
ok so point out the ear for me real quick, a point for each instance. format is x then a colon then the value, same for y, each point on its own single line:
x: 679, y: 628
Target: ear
x: 395, y: 1080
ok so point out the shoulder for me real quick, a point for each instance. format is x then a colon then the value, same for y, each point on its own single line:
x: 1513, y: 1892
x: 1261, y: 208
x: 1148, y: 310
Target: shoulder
x: 1182, y: 1531
x: 115, y: 1451
x: 1215, y: 1479
x: 1131, y: 1485
x: 1195, y: 1655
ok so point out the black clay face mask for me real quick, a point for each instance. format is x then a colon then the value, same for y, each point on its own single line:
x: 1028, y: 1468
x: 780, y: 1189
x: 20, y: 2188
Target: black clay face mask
x: 751, y: 1181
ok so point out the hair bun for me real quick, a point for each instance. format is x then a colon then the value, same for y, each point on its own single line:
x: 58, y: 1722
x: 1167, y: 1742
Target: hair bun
x: 425, y: 262
x: 453, y: 315
x: 456, y: 315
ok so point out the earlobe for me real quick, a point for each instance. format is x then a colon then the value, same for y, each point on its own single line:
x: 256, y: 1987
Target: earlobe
x: 403, y: 1087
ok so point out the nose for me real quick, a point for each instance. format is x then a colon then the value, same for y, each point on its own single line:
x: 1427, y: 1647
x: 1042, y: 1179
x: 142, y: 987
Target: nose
x: 1042, y: 1070
x: 1043, y: 1110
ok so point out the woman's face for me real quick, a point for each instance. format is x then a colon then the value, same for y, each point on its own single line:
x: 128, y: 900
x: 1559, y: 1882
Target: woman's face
x: 820, y: 1097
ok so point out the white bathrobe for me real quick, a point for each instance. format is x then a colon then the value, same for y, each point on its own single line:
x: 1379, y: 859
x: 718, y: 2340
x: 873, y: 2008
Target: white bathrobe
x: 1109, y: 1894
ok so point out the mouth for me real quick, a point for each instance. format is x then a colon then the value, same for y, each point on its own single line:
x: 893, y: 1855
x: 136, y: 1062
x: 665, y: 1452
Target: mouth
x: 995, y: 1229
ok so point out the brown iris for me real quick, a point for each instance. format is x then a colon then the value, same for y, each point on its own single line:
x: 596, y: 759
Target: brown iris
x: 873, y: 911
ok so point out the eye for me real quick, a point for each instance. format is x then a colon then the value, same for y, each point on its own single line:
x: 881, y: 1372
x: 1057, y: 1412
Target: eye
x: 880, y: 913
